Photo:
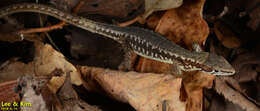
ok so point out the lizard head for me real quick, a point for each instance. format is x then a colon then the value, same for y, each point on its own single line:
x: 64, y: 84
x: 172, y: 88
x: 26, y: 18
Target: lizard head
x: 218, y: 65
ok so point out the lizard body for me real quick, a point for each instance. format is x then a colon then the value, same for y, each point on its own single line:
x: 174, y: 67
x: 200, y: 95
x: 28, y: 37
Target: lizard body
x: 143, y: 42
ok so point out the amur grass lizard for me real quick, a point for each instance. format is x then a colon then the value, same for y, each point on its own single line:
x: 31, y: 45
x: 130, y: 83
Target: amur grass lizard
x: 141, y: 41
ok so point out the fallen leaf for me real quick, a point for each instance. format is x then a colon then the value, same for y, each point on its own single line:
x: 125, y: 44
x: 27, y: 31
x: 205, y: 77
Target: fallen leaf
x: 13, y: 69
x: 148, y: 65
x: 69, y: 99
x: 55, y: 83
x: 145, y: 92
x: 193, y: 83
x: 158, y: 5
x: 182, y: 24
x: 154, y: 19
x: 226, y: 36
x: 47, y: 60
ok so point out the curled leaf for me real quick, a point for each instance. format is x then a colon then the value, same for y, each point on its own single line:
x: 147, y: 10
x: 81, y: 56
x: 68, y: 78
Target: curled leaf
x: 157, y: 5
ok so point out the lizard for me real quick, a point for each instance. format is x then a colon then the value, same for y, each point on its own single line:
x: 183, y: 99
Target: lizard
x: 143, y: 42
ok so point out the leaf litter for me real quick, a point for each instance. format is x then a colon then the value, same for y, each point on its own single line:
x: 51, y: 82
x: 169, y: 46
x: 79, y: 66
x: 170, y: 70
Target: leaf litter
x: 151, y: 85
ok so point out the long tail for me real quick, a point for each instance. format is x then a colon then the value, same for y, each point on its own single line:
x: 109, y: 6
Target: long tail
x: 80, y: 22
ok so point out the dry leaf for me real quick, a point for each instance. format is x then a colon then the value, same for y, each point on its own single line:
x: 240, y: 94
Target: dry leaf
x: 145, y: 92
x: 194, y: 82
x: 226, y: 36
x: 154, y: 19
x: 148, y: 65
x: 14, y: 69
x: 185, y: 24
x: 69, y: 98
x: 47, y: 60
x: 55, y: 83
x: 235, y: 97
x: 157, y: 5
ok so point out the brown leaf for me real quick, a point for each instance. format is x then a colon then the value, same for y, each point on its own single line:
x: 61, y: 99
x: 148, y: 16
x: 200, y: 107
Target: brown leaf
x: 193, y: 83
x: 148, y: 65
x: 55, y: 83
x: 66, y: 99
x: 154, y: 19
x: 13, y: 69
x: 182, y: 24
x: 158, y: 5
x: 145, y: 92
x: 226, y: 36
x: 47, y: 60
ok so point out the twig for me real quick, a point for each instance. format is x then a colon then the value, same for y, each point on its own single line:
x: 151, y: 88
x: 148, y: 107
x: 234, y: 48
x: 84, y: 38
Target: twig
x: 127, y: 23
x: 235, y: 97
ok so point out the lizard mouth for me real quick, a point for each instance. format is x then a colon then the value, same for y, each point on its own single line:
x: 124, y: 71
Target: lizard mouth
x: 223, y: 73
x: 207, y: 69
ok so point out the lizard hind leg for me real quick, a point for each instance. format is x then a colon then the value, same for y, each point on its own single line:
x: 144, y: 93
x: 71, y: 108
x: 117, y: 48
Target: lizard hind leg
x: 126, y: 64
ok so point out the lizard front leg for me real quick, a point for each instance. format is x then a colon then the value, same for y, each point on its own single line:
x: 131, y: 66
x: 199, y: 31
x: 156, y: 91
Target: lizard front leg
x: 175, y: 68
x: 196, y: 47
